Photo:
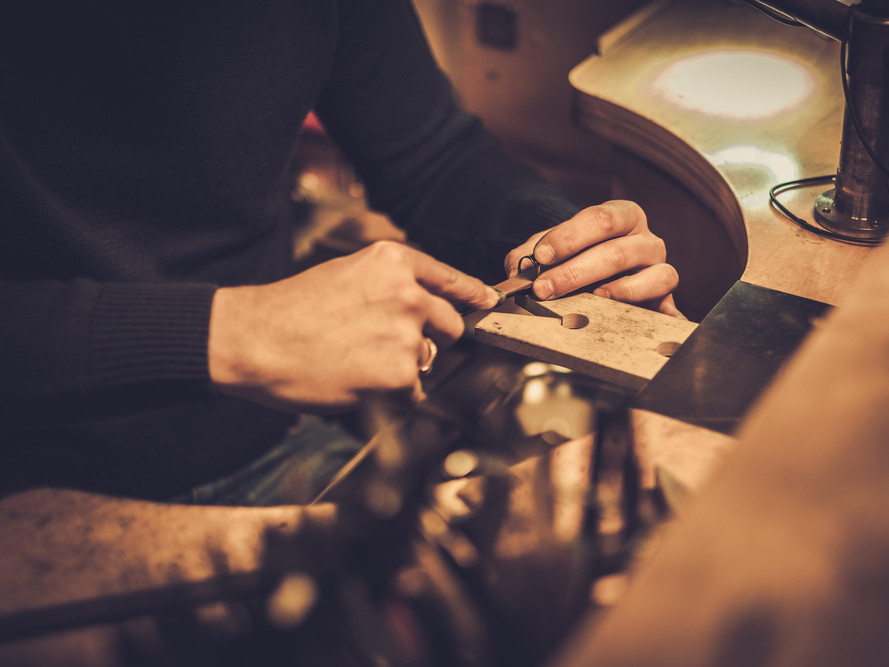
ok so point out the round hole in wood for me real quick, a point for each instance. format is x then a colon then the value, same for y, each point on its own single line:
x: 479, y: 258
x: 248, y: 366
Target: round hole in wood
x: 668, y: 348
x: 575, y: 321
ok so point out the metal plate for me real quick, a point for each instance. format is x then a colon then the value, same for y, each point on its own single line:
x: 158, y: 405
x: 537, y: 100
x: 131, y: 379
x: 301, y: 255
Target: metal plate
x: 715, y: 376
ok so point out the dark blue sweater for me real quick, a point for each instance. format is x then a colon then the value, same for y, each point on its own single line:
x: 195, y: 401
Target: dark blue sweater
x: 144, y: 153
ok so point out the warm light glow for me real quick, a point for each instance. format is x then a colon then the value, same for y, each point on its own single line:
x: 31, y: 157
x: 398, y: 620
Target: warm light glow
x: 777, y: 167
x: 736, y: 84
x: 754, y: 170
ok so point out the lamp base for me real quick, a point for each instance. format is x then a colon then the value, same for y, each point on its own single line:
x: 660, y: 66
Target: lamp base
x: 826, y: 214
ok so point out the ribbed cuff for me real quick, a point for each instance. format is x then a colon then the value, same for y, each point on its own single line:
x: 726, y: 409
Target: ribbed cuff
x: 151, y: 333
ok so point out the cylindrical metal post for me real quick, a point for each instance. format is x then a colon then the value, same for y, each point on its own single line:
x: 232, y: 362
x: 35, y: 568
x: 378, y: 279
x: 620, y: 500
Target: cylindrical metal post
x: 859, y: 204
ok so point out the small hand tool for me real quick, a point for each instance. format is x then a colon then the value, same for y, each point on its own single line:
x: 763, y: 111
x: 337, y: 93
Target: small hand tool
x: 520, y: 282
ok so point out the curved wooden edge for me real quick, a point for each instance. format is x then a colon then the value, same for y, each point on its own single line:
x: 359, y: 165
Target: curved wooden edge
x: 620, y: 96
x: 646, y: 139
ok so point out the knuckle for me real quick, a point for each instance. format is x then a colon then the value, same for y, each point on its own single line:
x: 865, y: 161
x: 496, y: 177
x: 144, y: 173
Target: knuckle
x: 407, y: 337
x: 402, y: 374
x: 388, y: 251
x: 670, y: 276
x: 451, y: 281
x: 631, y: 292
x: 407, y: 295
x: 603, y: 217
x: 566, y: 278
x: 659, y: 248
x: 635, y: 213
x: 618, y: 256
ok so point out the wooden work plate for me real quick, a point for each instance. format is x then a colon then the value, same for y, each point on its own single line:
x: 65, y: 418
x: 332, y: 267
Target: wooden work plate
x: 615, y: 342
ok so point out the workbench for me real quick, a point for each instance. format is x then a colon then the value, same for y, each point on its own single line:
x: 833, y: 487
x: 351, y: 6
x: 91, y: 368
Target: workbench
x: 729, y: 103
x: 632, y: 92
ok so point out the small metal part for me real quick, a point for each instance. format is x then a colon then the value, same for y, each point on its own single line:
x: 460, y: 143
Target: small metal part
x: 428, y: 360
x: 867, y: 223
x: 520, y: 282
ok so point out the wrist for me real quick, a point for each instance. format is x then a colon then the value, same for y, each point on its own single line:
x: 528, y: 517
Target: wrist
x: 227, y: 339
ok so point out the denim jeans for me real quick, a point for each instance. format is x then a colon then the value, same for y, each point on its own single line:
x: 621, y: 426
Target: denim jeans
x: 292, y: 472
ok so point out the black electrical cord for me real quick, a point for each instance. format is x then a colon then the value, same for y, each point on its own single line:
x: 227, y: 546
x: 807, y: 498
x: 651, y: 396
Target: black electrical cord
x: 853, y: 115
x: 780, y: 17
x: 808, y: 226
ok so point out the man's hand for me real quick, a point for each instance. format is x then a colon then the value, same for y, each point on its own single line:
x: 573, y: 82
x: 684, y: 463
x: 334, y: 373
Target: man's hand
x: 322, y: 339
x: 609, y: 244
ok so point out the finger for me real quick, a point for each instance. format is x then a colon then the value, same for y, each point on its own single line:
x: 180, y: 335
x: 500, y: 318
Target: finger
x: 447, y: 282
x: 651, y: 286
x: 443, y: 324
x: 667, y: 306
x: 590, y: 226
x: 514, y: 257
x: 614, y: 257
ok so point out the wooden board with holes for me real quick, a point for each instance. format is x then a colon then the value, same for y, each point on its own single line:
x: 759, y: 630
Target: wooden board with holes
x: 615, y: 342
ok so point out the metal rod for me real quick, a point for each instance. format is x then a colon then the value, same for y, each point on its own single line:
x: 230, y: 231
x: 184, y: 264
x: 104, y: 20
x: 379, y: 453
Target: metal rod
x: 828, y: 17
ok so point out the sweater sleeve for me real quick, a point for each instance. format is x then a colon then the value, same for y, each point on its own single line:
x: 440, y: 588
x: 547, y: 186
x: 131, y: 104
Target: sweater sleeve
x: 429, y: 165
x: 67, y: 340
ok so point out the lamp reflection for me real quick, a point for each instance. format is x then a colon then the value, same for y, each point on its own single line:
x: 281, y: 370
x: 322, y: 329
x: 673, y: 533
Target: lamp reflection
x: 737, y: 84
x: 754, y: 169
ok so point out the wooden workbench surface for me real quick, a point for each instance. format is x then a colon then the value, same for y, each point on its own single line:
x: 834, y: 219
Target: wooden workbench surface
x: 730, y: 103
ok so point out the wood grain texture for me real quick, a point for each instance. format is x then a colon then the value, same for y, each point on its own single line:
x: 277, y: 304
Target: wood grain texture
x: 621, y: 344
x: 634, y: 97
x: 629, y: 92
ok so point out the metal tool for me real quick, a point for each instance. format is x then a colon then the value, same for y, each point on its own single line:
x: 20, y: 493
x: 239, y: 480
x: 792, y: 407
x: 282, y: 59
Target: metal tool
x: 521, y: 282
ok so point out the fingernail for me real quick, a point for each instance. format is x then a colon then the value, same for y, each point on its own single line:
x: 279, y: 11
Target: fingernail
x: 601, y: 291
x: 493, y: 296
x: 543, y: 289
x: 544, y: 253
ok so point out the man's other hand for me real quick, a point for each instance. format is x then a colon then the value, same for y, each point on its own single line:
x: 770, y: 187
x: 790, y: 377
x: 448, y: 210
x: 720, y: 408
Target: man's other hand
x: 609, y: 245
